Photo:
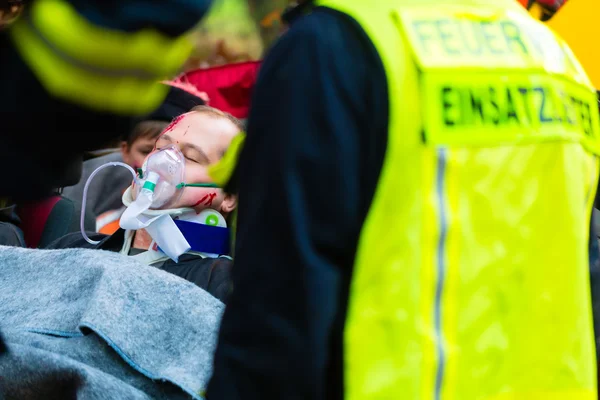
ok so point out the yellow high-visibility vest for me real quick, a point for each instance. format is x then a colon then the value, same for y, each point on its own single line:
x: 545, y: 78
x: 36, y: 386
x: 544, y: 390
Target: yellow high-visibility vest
x: 98, y: 68
x: 472, y: 277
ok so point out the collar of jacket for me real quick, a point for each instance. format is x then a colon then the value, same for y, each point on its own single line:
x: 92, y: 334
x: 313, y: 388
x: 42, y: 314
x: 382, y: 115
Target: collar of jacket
x: 296, y: 10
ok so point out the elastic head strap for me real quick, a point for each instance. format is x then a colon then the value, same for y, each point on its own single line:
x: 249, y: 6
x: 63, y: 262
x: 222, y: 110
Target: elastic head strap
x: 198, y: 185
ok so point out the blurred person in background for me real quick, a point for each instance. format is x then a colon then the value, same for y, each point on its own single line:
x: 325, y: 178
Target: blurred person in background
x: 10, y: 234
x: 543, y: 10
x: 9, y: 11
x: 267, y: 15
x: 89, y: 70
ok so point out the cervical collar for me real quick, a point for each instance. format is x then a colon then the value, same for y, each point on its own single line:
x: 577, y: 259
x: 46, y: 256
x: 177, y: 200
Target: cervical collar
x: 180, y: 230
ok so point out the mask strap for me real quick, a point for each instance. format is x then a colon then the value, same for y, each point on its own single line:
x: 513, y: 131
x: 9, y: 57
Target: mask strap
x: 197, y: 185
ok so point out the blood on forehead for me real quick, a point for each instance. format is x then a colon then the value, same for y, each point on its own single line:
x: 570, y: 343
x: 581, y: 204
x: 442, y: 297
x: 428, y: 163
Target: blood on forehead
x: 172, y: 125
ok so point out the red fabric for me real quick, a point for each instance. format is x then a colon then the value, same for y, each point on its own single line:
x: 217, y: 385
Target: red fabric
x: 229, y: 87
x: 34, y: 217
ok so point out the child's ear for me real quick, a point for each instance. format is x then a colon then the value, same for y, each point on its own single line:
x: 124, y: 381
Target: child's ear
x: 229, y: 203
x: 124, y: 149
x: 125, y: 153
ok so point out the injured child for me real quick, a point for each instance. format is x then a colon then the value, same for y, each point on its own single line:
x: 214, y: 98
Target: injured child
x: 175, y: 217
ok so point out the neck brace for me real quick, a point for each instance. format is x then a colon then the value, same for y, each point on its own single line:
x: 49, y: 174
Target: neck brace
x: 180, y: 230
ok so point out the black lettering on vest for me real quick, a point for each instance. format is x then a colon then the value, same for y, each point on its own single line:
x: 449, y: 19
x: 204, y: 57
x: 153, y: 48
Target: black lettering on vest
x: 526, y: 104
x: 476, y: 106
x: 445, y: 36
x: 586, y: 116
x: 578, y: 105
x: 542, y: 112
x: 512, y: 35
x: 567, y: 107
x: 491, y: 39
x: 511, y: 113
x: 495, y: 117
x: 447, y: 106
x: 557, y: 106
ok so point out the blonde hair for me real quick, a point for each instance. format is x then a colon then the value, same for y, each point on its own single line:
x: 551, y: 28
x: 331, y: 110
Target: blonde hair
x: 219, y: 114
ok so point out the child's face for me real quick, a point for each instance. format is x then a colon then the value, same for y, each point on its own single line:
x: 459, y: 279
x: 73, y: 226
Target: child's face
x: 203, y: 140
x: 135, y: 154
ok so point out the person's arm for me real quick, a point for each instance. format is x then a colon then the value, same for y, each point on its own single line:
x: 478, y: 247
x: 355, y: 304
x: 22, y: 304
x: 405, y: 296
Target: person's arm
x: 50, y: 119
x: 172, y: 18
x: 210, y: 274
x: 316, y: 140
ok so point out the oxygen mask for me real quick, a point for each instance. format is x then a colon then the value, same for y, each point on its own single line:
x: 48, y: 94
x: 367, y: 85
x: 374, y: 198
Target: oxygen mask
x: 161, y: 175
x: 158, y: 186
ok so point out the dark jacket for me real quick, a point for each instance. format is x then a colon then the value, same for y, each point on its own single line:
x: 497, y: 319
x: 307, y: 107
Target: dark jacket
x: 210, y: 274
x: 317, y: 135
x: 10, y: 233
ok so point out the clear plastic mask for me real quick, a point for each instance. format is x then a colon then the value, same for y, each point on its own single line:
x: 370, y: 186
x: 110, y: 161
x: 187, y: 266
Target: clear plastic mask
x: 169, y: 164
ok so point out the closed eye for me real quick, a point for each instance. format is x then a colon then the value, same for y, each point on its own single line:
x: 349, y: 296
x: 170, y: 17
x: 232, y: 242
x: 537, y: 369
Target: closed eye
x: 192, y: 160
x: 195, y: 154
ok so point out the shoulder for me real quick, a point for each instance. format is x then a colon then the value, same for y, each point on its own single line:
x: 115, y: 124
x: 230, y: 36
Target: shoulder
x: 173, y: 18
x: 322, y: 40
x: 11, y: 235
x: 326, y: 26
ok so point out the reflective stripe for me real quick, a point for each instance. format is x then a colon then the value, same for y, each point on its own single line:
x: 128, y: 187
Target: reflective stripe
x: 113, y: 72
x: 101, y: 69
x: 147, y: 49
x: 441, y: 270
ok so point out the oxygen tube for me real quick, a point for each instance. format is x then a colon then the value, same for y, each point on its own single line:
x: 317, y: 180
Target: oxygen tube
x: 159, y: 186
x: 85, y: 190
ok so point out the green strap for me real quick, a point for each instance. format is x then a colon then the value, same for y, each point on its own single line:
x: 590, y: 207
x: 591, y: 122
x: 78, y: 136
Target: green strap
x: 198, y: 185
x: 149, y: 185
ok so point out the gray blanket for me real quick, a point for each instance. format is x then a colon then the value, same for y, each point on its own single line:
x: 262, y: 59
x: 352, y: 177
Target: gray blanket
x: 91, y: 324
